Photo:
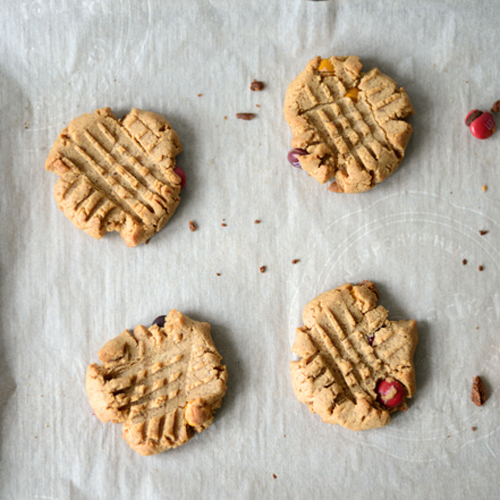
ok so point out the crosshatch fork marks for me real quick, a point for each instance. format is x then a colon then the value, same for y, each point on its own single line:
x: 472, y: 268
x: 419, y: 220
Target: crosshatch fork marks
x: 346, y: 347
x: 350, y: 123
x: 161, y: 383
x: 129, y: 162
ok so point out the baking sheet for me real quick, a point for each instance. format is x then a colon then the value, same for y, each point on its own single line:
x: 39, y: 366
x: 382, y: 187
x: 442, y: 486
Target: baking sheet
x: 62, y: 294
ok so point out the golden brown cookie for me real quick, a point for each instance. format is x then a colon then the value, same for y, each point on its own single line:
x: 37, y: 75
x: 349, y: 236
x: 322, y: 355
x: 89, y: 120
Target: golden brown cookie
x: 163, y: 382
x: 356, y: 366
x: 117, y: 175
x: 347, y: 125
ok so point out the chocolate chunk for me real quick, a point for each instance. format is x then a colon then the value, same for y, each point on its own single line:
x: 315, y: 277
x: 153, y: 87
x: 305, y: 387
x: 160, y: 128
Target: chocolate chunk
x: 483, y: 232
x: 192, y: 225
x: 464, y: 262
x: 496, y: 107
x: 245, y: 116
x: 160, y: 321
x: 256, y: 85
x: 294, y: 261
x: 478, y: 394
x: 262, y: 269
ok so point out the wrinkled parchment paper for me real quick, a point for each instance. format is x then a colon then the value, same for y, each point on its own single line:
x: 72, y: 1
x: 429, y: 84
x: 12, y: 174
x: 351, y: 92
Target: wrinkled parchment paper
x: 63, y: 294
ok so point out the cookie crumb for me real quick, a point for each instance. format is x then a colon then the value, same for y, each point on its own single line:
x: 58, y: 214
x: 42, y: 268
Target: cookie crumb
x: 257, y: 221
x: 192, y: 225
x: 256, y: 85
x: 474, y: 429
x: 480, y: 268
x: 496, y: 107
x: 262, y: 269
x: 257, y: 105
x: 484, y: 188
x: 245, y: 116
x: 478, y: 393
x: 199, y: 95
x: 448, y: 436
x: 275, y: 476
x: 464, y: 262
x: 294, y: 261
x: 224, y: 224
x: 477, y: 328
x: 218, y: 274
x: 482, y: 232
x: 225, y: 117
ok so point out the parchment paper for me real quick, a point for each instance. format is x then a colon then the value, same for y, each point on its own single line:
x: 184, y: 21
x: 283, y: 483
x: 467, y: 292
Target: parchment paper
x: 63, y: 294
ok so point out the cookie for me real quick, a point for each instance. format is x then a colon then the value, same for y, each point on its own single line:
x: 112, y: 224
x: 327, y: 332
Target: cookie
x: 162, y: 383
x: 356, y: 366
x: 347, y: 125
x: 117, y: 175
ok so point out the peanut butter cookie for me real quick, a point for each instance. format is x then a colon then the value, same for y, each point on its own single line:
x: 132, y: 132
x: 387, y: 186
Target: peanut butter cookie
x: 347, y: 125
x: 356, y: 366
x: 117, y: 175
x: 162, y: 383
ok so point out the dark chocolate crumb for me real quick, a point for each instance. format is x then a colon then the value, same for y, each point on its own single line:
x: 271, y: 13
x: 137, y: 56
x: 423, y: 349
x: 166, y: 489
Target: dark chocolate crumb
x: 257, y: 221
x: 224, y: 224
x: 294, y: 261
x: 262, y: 269
x: 147, y: 241
x: 218, y: 274
x: 464, y: 262
x: 256, y: 85
x: 474, y: 429
x: 478, y: 393
x: 275, y: 476
x: 482, y: 232
x: 496, y: 107
x: 245, y: 116
x: 480, y: 268
x: 192, y: 225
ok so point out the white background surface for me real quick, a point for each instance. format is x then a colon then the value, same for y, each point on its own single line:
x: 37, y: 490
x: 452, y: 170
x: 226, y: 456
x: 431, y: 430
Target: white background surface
x: 63, y: 294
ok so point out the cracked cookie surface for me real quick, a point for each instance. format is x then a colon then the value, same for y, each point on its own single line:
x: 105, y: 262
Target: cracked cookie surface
x: 350, y: 124
x: 348, y: 347
x: 117, y: 175
x: 162, y: 383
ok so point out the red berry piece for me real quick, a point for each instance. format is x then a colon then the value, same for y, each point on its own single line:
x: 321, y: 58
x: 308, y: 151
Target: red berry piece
x: 481, y: 124
x: 293, y: 156
x: 391, y: 393
x: 182, y: 175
